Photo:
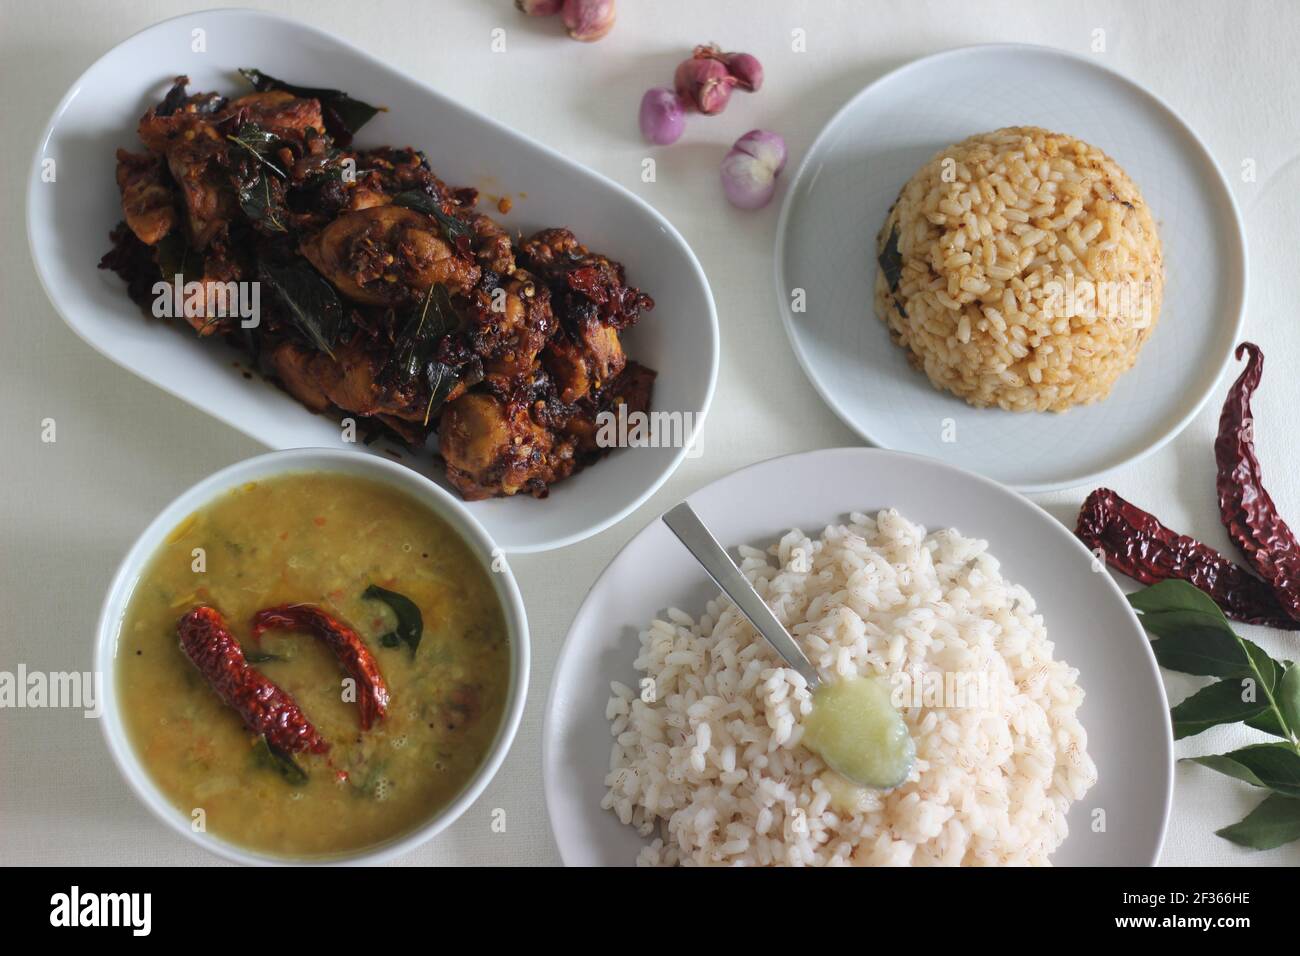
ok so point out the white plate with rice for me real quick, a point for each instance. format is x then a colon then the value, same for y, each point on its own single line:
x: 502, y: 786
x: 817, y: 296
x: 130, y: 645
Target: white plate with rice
x: 1039, y: 718
x: 826, y: 265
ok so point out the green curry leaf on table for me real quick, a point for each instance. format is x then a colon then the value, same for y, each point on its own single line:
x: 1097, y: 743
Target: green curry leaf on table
x: 1191, y: 635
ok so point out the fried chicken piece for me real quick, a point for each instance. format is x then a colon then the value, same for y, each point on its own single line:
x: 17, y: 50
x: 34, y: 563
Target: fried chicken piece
x: 178, y: 100
x: 279, y: 112
x: 196, y: 153
x: 492, y: 448
x: 592, y: 303
x: 147, y: 199
x: 392, y: 171
x: 352, y: 380
x: 219, y: 311
x: 632, y: 389
x: 363, y: 197
x: 388, y: 255
x: 582, y: 364
x: 552, y: 252
x: 492, y: 246
x: 507, y: 325
x: 297, y: 369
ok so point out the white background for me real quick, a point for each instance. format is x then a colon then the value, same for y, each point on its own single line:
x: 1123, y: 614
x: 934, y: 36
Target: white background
x: 123, y: 449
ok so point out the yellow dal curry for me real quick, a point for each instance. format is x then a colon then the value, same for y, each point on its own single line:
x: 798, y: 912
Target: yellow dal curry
x: 322, y: 539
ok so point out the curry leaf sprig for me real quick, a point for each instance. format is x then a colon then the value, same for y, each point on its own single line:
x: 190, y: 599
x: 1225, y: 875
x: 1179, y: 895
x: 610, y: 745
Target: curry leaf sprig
x: 1191, y: 635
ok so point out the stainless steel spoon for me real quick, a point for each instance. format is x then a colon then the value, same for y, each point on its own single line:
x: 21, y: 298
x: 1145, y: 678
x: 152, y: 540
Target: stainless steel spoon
x: 858, y: 733
x: 699, y: 541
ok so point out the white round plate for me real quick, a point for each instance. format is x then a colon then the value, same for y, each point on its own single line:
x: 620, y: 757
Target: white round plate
x: 1089, y: 621
x: 826, y: 245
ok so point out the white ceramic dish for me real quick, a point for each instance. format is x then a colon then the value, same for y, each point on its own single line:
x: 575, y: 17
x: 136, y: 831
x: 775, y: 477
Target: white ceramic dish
x: 68, y: 223
x: 264, y: 466
x: 1089, y: 621
x: 843, y: 190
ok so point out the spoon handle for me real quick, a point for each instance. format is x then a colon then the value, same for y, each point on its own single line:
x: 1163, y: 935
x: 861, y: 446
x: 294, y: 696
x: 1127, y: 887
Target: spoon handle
x: 699, y: 541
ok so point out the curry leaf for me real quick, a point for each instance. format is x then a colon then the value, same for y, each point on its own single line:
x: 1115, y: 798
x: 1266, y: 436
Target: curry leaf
x: 1273, y: 823
x: 453, y: 228
x: 1192, y: 635
x: 442, y: 379
x: 175, y: 256
x: 272, y: 758
x: 891, y: 261
x: 410, y: 622
x: 1268, y: 722
x: 1288, y: 698
x: 1275, y: 766
x: 261, y: 144
x: 1228, y: 766
x: 310, y: 302
x: 259, y: 204
x: 1174, y: 595
x: 414, y: 351
x: 1195, y: 637
x: 1225, y: 702
x: 342, y: 114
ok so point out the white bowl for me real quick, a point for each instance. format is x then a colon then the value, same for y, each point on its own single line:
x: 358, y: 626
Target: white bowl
x: 287, y: 462
x: 68, y: 223
x: 1088, y: 620
x: 849, y: 179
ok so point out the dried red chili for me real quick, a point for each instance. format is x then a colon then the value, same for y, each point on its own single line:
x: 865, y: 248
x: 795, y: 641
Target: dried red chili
x: 264, y: 707
x: 1138, y: 545
x: 1245, y: 506
x: 351, y: 651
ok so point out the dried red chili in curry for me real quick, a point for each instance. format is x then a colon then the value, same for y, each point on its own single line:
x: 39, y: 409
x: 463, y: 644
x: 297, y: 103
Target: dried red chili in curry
x: 347, y: 645
x: 264, y: 707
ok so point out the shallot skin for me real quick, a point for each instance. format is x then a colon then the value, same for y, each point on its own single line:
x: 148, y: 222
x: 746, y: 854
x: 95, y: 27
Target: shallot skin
x: 704, y: 83
x: 746, y: 69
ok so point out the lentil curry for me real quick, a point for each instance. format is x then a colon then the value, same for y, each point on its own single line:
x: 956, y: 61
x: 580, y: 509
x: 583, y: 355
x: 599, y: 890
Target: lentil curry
x: 316, y: 662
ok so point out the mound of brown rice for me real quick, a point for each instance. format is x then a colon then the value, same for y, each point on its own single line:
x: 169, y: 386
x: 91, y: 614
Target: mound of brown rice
x: 1020, y: 268
x: 707, y: 762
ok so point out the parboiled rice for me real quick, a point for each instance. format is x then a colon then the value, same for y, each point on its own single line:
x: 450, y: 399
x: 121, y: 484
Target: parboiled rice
x: 1031, y: 270
x: 707, y: 762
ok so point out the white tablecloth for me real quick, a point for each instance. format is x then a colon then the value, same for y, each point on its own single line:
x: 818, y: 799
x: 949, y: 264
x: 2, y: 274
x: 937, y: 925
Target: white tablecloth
x: 124, y: 449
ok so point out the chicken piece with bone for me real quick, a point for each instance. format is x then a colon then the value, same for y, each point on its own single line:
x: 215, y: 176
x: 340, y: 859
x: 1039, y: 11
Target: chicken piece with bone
x: 146, y: 196
x: 592, y: 304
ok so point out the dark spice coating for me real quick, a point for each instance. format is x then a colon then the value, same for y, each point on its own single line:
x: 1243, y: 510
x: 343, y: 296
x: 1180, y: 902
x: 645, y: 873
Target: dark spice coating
x: 1245, y: 506
x: 347, y: 645
x: 1138, y: 545
x: 264, y: 707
